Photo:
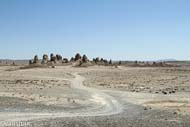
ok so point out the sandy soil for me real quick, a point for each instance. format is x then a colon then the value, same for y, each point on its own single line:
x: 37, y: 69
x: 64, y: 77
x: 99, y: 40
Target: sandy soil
x: 117, y: 97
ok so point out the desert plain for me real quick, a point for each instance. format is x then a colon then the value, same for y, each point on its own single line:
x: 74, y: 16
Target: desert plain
x: 95, y: 96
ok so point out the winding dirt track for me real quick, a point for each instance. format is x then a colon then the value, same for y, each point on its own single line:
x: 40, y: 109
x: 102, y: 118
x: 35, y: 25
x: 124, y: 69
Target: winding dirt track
x: 107, y: 105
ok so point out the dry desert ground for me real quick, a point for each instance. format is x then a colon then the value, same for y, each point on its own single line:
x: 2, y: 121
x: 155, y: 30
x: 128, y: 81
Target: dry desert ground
x: 95, y: 96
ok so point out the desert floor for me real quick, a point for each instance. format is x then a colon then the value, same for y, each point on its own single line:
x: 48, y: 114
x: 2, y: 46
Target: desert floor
x: 96, y: 96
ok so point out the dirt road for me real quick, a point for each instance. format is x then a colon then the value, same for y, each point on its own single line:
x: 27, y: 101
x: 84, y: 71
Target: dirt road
x: 106, y: 105
x: 86, y: 105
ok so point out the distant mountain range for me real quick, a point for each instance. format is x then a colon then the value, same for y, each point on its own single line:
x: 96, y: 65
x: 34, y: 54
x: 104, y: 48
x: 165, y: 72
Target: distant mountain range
x: 167, y: 60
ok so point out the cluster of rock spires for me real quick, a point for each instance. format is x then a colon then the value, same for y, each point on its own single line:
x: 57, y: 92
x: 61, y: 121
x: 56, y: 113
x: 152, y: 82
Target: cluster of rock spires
x: 83, y: 61
x: 101, y: 61
x: 77, y: 60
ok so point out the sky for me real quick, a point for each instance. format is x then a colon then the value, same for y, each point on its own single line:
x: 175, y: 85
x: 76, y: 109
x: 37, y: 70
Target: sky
x: 113, y: 29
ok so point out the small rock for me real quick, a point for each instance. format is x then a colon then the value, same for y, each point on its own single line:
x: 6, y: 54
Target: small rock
x: 183, y: 89
x: 137, y: 91
x: 147, y: 108
x: 133, y: 90
x: 173, y: 91
x: 164, y: 92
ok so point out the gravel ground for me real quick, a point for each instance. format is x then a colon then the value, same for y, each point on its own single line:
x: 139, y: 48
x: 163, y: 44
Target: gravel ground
x: 146, y: 97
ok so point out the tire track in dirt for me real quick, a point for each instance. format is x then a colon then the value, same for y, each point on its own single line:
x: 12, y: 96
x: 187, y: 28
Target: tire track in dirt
x: 108, y: 105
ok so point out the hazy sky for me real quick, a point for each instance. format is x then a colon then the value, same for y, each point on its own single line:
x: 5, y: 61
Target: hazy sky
x: 117, y: 29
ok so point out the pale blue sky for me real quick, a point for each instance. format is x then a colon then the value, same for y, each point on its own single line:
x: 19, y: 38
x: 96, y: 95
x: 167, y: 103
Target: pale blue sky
x: 117, y: 29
